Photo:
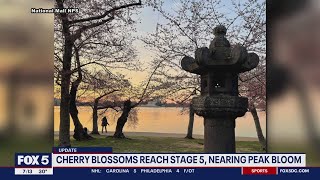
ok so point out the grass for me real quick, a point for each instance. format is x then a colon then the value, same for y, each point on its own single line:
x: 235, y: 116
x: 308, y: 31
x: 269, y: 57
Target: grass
x: 145, y: 144
x: 134, y: 144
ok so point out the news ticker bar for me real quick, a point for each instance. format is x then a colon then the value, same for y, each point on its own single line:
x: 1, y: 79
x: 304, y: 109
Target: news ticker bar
x: 177, y: 171
x: 44, y: 163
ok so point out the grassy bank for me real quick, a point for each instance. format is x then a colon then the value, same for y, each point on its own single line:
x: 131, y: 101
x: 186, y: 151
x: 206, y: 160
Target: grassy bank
x: 157, y: 144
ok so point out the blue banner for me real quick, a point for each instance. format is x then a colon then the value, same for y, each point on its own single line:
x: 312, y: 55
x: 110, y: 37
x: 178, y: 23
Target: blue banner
x: 161, y: 173
x: 79, y: 150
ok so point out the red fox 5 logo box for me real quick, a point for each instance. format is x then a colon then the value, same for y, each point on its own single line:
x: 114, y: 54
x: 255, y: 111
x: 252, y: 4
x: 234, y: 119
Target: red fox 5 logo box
x: 33, y: 160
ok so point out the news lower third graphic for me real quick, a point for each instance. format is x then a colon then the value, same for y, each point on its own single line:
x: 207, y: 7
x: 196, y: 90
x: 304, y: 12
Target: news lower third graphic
x: 103, y: 161
x: 33, y: 164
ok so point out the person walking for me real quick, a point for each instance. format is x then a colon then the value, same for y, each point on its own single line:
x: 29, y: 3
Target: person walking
x: 104, y: 124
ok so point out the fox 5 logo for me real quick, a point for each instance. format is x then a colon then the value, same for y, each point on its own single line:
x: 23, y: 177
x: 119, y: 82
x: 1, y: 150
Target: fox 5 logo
x: 33, y: 159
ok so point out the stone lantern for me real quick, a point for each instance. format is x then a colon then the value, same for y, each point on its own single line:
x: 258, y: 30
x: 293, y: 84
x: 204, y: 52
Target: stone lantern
x: 219, y: 67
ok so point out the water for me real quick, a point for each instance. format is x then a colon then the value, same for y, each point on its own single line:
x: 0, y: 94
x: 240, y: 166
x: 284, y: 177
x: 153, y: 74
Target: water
x: 163, y: 120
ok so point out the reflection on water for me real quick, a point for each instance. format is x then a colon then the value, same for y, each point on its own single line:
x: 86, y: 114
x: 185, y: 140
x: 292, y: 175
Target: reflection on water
x: 164, y: 120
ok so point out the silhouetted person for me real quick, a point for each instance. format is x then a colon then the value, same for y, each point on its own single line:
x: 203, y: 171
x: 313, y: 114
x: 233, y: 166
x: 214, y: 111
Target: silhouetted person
x: 104, y: 124
x: 85, y: 131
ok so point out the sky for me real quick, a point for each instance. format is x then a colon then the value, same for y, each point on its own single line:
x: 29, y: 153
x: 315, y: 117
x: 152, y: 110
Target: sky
x: 147, y: 23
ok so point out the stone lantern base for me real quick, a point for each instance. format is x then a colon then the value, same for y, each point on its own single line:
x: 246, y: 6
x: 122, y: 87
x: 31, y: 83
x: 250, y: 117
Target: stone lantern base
x: 220, y: 112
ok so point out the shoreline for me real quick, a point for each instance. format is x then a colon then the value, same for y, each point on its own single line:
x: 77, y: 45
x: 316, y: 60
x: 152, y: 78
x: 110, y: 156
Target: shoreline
x: 144, y: 106
x: 156, y: 134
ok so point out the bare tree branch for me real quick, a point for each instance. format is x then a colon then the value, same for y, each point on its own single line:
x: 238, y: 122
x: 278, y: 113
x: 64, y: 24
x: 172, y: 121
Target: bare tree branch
x: 78, y: 33
x: 111, y: 11
x: 147, y: 85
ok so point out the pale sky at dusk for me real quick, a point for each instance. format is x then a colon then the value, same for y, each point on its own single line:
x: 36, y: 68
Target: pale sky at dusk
x: 147, y: 23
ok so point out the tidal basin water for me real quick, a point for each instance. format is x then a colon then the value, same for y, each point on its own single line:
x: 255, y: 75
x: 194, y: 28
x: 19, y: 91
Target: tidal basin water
x: 163, y: 120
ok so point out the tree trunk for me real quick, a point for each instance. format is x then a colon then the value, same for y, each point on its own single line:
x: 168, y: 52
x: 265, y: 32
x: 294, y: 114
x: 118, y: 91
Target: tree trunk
x: 64, y: 129
x: 79, y: 133
x: 95, y: 118
x: 122, y: 120
x: 78, y: 128
x: 191, y: 120
x: 255, y: 116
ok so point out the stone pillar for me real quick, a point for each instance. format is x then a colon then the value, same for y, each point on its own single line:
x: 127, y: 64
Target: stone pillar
x: 219, y: 136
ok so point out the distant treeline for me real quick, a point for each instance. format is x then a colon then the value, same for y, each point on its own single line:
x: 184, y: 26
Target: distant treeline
x: 162, y: 104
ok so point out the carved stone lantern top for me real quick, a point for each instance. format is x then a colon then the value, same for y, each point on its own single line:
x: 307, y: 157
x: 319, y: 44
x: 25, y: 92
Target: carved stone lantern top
x: 220, y: 56
x: 219, y: 67
x: 220, y: 40
x: 220, y: 30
